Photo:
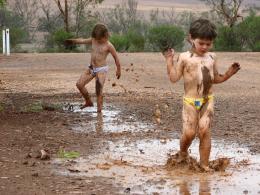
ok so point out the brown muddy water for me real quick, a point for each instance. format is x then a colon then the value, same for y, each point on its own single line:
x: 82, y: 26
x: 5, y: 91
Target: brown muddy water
x: 138, y: 166
x: 107, y: 121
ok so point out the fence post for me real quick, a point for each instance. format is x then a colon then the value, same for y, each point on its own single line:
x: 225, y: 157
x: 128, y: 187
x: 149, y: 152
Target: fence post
x: 3, y: 38
x: 7, y: 42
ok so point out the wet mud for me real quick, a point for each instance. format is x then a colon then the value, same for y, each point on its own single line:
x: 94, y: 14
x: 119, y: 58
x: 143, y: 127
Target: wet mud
x: 125, y: 149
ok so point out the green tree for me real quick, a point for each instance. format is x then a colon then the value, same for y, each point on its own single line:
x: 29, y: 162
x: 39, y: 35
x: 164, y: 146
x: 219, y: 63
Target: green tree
x: 122, y: 17
x: 2, y: 3
x: 50, y: 20
x: 80, y: 6
x: 228, y: 9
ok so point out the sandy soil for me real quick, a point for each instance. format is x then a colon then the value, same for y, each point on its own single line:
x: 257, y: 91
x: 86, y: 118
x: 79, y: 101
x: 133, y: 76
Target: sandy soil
x: 28, y: 81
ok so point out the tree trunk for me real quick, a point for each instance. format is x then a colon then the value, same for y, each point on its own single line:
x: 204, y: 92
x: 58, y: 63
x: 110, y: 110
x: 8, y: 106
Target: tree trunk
x: 64, y: 13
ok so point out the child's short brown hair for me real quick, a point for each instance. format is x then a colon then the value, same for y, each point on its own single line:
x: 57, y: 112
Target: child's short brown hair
x: 99, y: 31
x: 203, y: 29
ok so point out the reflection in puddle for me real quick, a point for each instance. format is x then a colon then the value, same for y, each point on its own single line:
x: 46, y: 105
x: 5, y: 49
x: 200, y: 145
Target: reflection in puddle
x: 109, y: 120
x: 139, y: 167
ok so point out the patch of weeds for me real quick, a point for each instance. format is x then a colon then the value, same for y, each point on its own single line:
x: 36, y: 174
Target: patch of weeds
x: 41, y: 106
x: 2, y: 108
x: 34, y: 107
x: 68, y: 154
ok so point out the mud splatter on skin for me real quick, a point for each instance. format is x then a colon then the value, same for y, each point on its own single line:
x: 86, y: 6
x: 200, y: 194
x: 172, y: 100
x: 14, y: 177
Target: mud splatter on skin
x: 98, y: 87
x: 198, y: 88
x: 178, y: 58
x: 206, y: 80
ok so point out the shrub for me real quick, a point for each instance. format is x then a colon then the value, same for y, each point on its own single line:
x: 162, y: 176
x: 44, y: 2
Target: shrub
x: 17, y: 36
x: 249, y: 31
x: 165, y: 36
x: 60, y: 36
x: 120, y: 42
x: 228, y: 39
x: 136, y: 41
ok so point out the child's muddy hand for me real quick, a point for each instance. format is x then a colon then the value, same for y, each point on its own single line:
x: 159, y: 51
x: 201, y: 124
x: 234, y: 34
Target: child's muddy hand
x: 118, y: 74
x: 169, y: 53
x: 235, y: 67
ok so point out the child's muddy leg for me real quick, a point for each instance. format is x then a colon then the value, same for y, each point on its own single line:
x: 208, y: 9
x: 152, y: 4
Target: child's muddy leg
x: 205, y: 134
x: 100, y: 81
x: 85, y: 78
x: 190, y: 123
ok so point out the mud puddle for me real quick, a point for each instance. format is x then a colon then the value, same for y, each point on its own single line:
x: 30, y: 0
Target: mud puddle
x: 110, y: 120
x: 138, y: 168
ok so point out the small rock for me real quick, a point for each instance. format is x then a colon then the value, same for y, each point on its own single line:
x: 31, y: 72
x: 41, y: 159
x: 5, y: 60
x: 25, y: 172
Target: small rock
x: 48, y: 107
x: 141, y: 151
x: 157, y: 112
x: 35, y: 174
x: 127, y: 190
x: 166, y: 106
x: 29, y: 155
x: 73, y: 170
x: 33, y: 164
x: 158, y: 120
x: 43, y: 155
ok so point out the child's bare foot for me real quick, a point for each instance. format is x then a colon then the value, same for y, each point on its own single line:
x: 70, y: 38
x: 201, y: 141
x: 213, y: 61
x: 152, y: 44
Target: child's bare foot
x: 206, y: 169
x: 182, y: 157
x: 87, y: 104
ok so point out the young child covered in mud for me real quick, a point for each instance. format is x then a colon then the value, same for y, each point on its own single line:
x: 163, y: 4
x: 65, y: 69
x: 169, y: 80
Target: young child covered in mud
x: 98, y: 67
x: 199, y: 70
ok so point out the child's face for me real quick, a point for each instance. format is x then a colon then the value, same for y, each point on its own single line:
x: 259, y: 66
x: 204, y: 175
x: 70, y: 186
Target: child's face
x: 202, y: 46
x: 103, y: 39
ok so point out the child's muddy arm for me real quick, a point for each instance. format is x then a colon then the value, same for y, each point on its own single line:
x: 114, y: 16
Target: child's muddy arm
x: 113, y: 52
x: 174, y: 72
x: 219, y: 78
x: 79, y: 41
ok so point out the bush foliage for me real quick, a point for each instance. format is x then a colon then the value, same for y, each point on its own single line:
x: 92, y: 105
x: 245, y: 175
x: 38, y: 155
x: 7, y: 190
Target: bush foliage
x: 165, y: 36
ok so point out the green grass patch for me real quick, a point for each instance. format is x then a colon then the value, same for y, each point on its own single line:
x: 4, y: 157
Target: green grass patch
x: 2, y: 108
x: 40, y: 106
x: 68, y: 154
x: 34, y: 107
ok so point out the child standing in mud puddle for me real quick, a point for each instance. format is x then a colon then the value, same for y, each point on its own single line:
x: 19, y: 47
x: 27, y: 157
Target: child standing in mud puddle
x: 98, y: 67
x: 199, y: 70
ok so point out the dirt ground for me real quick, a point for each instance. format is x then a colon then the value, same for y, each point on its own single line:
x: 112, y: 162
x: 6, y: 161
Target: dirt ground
x: 29, y: 82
